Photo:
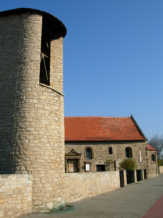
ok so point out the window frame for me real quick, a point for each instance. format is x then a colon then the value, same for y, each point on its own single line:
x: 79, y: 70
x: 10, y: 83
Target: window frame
x: 88, y: 149
x: 128, y: 152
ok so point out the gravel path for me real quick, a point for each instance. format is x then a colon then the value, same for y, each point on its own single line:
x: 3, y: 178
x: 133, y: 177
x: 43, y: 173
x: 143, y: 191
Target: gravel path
x: 132, y: 201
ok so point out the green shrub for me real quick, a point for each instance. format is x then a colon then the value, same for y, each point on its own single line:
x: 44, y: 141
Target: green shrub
x: 128, y: 164
x: 160, y: 162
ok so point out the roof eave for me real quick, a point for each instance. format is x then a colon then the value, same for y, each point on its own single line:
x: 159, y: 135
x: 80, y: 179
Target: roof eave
x: 125, y: 140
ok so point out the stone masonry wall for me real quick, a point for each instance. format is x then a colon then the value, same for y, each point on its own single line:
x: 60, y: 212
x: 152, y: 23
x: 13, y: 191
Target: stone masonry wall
x: 152, y: 166
x: 83, y: 185
x: 10, y: 64
x: 15, y: 195
x: 16, y: 190
x: 101, y: 154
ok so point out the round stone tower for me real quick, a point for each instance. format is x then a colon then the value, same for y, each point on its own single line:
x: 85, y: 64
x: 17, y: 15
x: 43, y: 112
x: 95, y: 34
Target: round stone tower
x: 32, y: 102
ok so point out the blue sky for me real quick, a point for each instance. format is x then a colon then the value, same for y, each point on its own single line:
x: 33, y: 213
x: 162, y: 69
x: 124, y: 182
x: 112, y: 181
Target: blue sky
x: 113, y: 57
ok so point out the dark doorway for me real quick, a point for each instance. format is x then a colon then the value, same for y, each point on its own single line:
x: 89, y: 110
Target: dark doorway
x: 72, y: 165
x: 145, y: 174
x: 100, y: 167
x: 130, y: 176
x: 139, y: 175
x: 115, y: 165
x: 121, y: 175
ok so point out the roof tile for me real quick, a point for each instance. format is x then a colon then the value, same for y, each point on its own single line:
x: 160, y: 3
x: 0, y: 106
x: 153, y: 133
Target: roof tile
x: 150, y: 148
x: 102, y: 129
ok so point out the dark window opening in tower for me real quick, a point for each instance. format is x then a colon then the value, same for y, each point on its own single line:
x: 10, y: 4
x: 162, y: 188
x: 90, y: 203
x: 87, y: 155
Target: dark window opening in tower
x: 45, y: 56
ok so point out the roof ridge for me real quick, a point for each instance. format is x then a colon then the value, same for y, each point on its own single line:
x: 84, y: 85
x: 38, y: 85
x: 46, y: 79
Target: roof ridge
x: 96, y: 117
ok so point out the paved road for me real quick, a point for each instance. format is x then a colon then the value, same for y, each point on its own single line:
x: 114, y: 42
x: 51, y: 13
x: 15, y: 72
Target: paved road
x: 156, y: 211
x: 133, y: 201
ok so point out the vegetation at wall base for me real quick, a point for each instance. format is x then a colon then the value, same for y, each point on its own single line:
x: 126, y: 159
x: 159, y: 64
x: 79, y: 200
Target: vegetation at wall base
x: 128, y: 164
x: 61, y: 208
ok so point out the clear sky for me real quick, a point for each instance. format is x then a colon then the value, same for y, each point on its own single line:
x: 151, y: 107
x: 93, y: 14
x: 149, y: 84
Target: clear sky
x: 113, y: 57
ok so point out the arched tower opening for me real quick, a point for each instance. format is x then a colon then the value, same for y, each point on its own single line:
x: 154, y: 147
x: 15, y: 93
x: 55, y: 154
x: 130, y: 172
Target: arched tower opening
x: 45, y: 55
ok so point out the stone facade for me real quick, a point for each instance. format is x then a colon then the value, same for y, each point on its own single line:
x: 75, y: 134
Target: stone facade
x: 101, y: 154
x: 102, y: 160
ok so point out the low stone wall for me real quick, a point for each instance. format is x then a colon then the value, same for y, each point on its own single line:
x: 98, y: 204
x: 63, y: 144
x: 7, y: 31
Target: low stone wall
x: 152, y: 175
x: 152, y: 171
x: 82, y: 185
x: 15, y: 195
x: 161, y: 169
x: 16, y: 190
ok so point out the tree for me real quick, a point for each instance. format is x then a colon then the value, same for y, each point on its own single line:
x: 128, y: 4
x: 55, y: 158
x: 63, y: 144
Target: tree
x: 128, y: 164
x: 157, y: 142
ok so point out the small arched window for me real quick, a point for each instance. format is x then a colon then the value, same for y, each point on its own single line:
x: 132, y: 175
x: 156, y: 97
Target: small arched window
x: 88, y: 153
x: 128, y: 152
x: 153, y: 157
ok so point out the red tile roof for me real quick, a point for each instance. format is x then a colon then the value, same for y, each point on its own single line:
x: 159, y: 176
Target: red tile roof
x: 102, y: 129
x: 150, y: 148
